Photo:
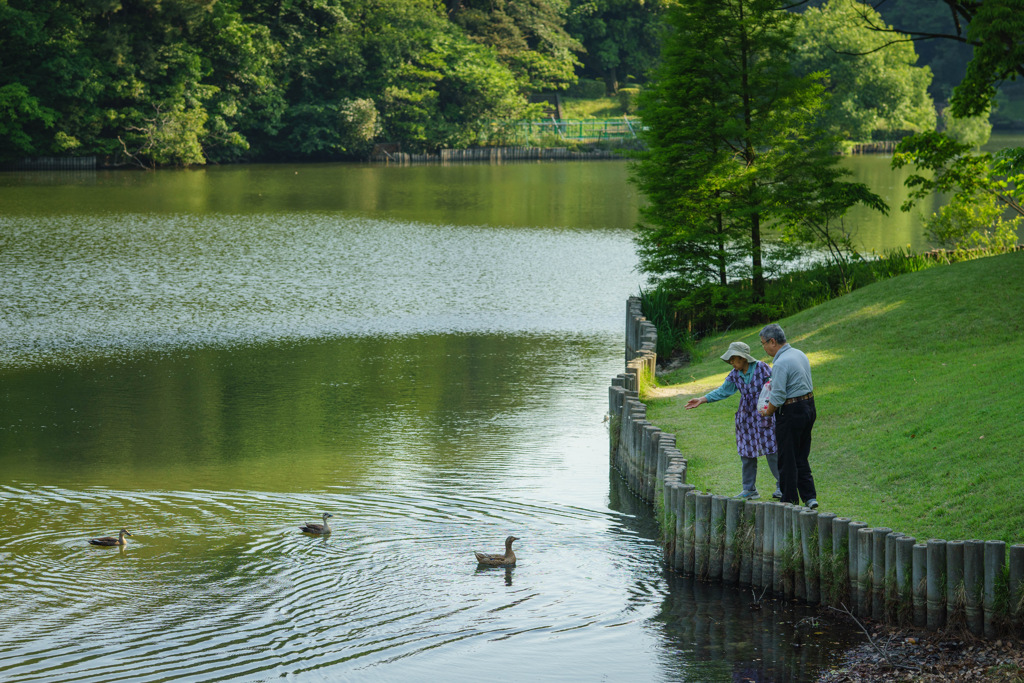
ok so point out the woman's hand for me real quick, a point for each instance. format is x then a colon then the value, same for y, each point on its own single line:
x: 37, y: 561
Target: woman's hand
x: 694, y: 402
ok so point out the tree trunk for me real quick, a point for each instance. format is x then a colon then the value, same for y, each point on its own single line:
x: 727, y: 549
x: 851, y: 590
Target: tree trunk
x: 611, y: 81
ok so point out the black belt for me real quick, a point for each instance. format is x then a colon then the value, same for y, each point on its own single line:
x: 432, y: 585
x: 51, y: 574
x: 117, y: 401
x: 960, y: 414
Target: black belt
x: 799, y: 398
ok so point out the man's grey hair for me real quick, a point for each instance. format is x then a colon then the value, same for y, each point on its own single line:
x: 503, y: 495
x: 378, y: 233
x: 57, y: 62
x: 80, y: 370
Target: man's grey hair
x: 773, y: 331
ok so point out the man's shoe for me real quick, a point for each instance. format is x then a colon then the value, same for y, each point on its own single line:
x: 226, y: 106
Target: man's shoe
x: 813, y: 503
x: 778, y: 494
x: 749, y: 495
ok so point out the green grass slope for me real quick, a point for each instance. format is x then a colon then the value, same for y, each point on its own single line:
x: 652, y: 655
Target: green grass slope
x: 919, y: 387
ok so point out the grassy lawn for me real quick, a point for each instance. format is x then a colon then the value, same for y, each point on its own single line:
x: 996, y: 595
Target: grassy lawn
x: 602, y: 108
x: 919, y: 386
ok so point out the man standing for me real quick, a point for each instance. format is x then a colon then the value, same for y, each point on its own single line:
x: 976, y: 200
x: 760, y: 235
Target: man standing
x: 792, y: 402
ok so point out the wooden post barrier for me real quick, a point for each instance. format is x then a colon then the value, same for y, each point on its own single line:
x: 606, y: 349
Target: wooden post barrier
x: 920, y: 580
x: 974, y: 585
x: 796, y: 553
x: 841, y: 562
x: 864, y: 559
x: 936, y: 594
x: 1017, y: 584
x: 747, y: 531
x: 732, y: 551
x: 904, y: 579
x: 891, y: 587
x: 768, y: 550
x: 809, y: 549
x: 682, y: 538
x: 995, y: 563
x: 878, y: 537
x: 956, y: 599
x: 779, y: 549
x: 853, y: 560
x: 716, y: 537
x: 690, y: 531
x: 702, y: 530
x: 757, y: 551
x: 825, y: 565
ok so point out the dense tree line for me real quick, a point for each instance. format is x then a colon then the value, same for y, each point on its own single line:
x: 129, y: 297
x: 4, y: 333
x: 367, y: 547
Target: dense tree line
x: 185, y: 81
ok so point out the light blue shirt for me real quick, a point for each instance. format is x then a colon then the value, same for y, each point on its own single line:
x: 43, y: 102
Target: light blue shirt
x: 728, y: 388
x: 791, y: 375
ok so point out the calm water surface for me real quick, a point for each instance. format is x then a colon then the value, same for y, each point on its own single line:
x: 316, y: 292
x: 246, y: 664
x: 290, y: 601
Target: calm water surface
x: 213, y: 357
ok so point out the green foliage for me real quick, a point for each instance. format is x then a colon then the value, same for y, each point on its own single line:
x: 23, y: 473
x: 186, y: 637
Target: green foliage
x: 186, y: 81
x: 628, y: 100
x: 706, y: 310
x: 871, y: 89
x: 732, y: 147
x: 973, y: 130
x: 973, y: 226
x: 995, y: 28
x: 659, y: 307
x: 621, y: 38
x: 529, y: 38
x: 952, y: 167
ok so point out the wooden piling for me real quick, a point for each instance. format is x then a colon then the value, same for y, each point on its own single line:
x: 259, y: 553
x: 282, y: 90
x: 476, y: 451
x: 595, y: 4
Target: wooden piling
x: 878, y: 537
x: 731, y: 552
x: 955, y: 595
x: 690, y: 532
x: 904, y: 579
x: 809, y: 550
x: 779, y: 574
x: 746, y: 541
x: 717, y: 537
x: 936, y: 594
x: 840, y: 589
x: 702, y: 539
x: 865, y: 548
x: 995, y: 563
x: 768, y: 553
x: 853, y: 560
x: 974, y: 585
x: 919, y: 577
x: 757, y: 554
x: 1017, y: 584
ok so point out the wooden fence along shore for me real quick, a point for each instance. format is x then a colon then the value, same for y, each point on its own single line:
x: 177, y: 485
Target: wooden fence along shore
x: 790, y: 551
x: 492, y: 155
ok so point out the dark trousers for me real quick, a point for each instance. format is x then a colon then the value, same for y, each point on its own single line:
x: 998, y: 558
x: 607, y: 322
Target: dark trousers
x: 793, y: 424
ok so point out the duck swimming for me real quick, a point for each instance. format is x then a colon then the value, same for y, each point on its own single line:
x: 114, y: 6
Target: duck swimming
x: 507, y: 559
x: 312, y: 528
x: 110, y: 540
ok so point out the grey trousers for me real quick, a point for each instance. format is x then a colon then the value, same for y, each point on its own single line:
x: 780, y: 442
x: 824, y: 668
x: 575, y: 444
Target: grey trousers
x: 750, y: 470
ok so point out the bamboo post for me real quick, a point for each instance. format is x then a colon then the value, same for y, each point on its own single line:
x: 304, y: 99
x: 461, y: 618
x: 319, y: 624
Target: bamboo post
x: 864, y: 550
x: 809, y: 549
x: 796, y: 553
x: 716, y: 537
x: 683, y: 528
x: 702, y: 530
x: 892, y: 597
x: 936, y: 584
x: 825, y: 557
x: 919, y: 577
x: 757, y: 552
x: 904, y: 579
x: 853, y: 560
x: 878, y: 537
x: 995, y: 561
x: 1017, y: 584
x: 779, y: 549
x: 730, y: 553
x: 768, y: 555
x: 955, y: 598
x: 840, y: 589
x: 746, y: 545
x: 974, y: 584
x: 690, y: 531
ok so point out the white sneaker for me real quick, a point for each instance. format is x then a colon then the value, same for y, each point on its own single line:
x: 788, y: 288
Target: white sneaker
x: 748, y: 495
x: 813, y: 503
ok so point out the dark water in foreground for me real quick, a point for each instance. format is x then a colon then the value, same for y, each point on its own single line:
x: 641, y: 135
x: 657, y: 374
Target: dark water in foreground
x: 211, y: 369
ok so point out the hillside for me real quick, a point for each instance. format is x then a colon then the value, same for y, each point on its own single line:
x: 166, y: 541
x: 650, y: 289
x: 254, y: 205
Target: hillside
x: 917, y: 382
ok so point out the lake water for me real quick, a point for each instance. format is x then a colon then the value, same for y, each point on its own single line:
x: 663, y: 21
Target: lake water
x: 212, y: 357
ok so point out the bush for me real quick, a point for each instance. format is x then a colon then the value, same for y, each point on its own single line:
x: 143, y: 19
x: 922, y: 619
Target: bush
x: 587, y: 89
x: 628, y: 100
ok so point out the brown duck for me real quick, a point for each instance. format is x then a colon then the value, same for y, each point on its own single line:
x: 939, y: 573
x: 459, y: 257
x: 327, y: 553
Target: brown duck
x: 314, y: 528
x: 507, y: 559
x: 110, y: 540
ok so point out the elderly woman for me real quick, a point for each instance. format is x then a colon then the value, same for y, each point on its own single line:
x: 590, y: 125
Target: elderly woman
x: 755, y: 433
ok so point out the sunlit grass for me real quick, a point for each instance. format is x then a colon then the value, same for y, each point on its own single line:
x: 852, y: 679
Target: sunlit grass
x: 918, y: 382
